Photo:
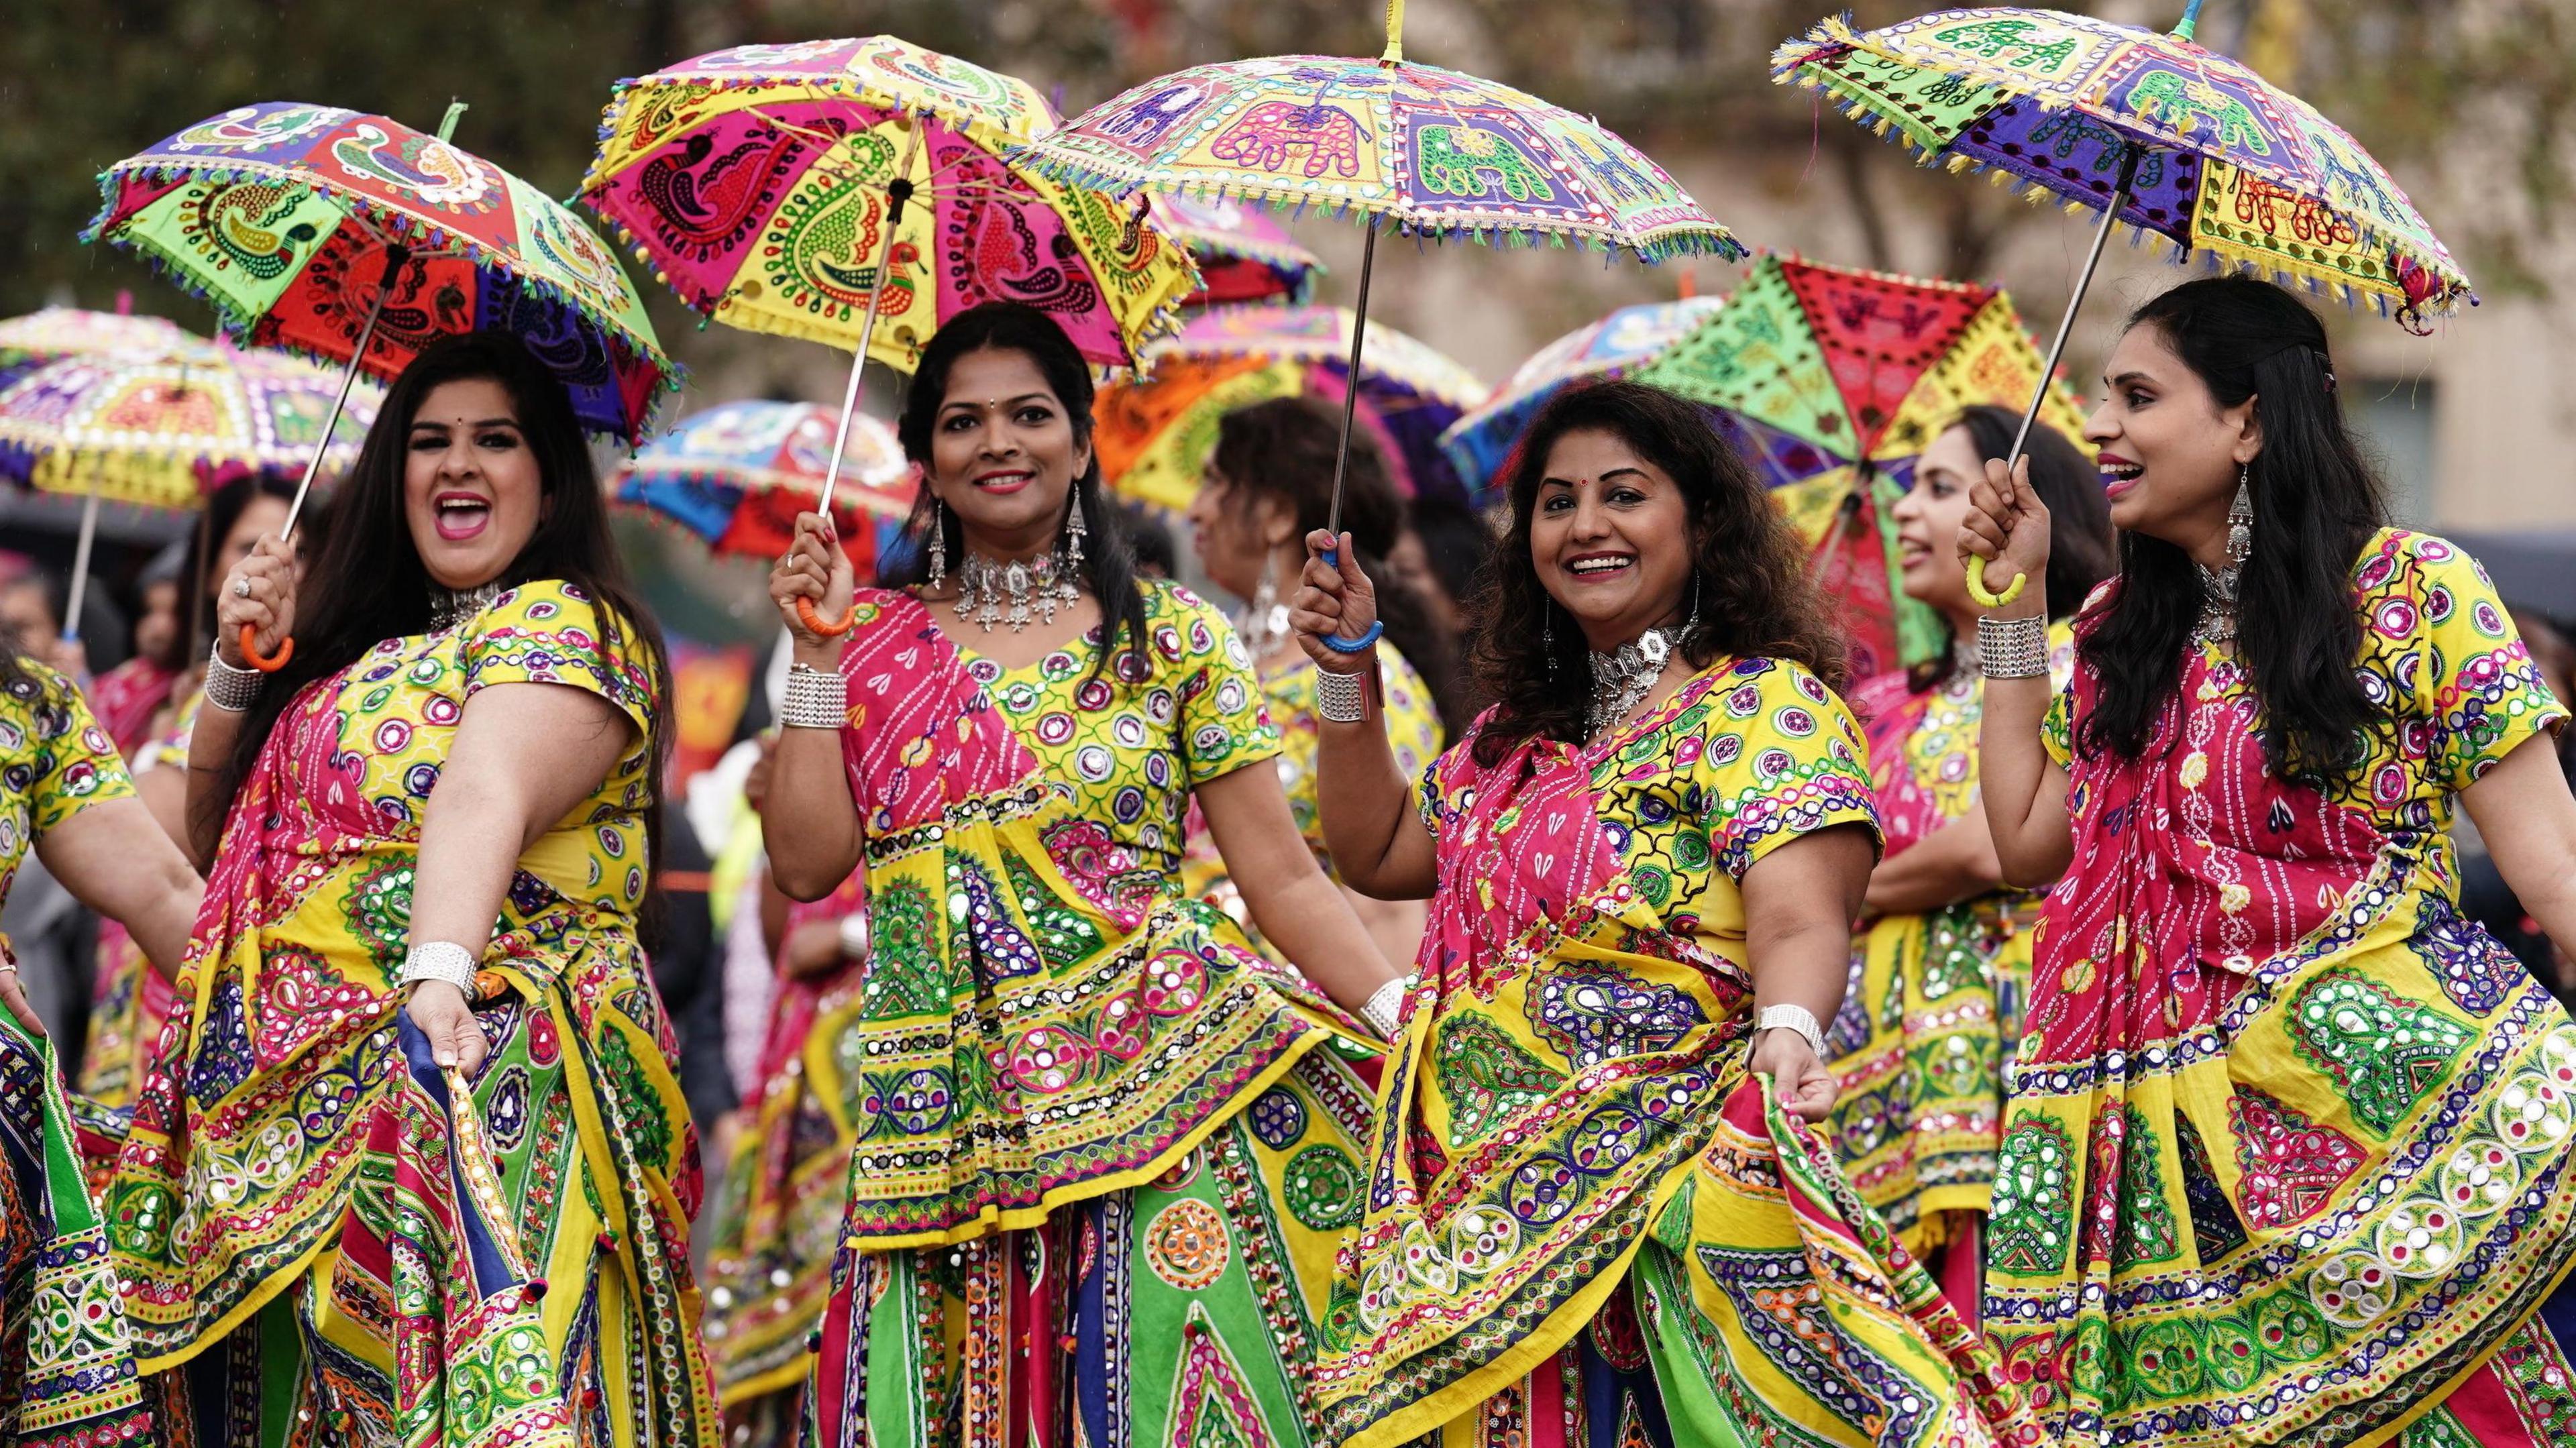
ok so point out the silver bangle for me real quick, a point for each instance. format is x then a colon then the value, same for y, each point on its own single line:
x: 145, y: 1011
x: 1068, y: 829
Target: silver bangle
x: 1792, y: 1018
x: 815, y: 699
x: 2012, y: 648
x: 1341, y: 698
x: 438, y: 960
x: 1384, y: 1011
x: 853, y: 931
x: 228, y: 688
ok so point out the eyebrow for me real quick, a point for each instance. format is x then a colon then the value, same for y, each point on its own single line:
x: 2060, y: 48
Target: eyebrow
x: 420, y: 422
x: 1605, y: 477
x: 1023, y: 397
x: 2125, y: 378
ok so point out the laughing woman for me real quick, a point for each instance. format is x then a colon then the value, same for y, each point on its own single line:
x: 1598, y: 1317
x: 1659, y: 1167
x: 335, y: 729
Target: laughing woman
x: 416, y: 1071
x: 1103, y: 1148
x: 1586, y: 1222
x: 2287, y: 1155
x: 1943, y: 968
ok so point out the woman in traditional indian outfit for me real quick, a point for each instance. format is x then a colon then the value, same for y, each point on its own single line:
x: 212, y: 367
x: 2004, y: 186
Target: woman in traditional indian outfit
x: 1587, y: 1222
x: 1943, y: 964
x: 66, y: 1366
x: 2286, y: 1155
x: 1267, y: 484
x: 410, y: 1160
x: 1104, y: 1147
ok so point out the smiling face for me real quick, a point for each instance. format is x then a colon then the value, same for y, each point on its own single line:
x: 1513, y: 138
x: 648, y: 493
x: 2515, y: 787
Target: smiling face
x: 1235, y: 537
x: 1003, y: 453
x: 1610, y: 538
x: 2170, y: 455
x: 472, y: 490
x: 1927, y: 521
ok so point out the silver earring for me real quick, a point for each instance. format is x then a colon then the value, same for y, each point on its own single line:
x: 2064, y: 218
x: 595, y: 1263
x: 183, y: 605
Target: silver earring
x: 1547, y: 637
x: 2240, y: 519
x: 1690, y: 625
x: 1074, y: 530
x: 938, y: 542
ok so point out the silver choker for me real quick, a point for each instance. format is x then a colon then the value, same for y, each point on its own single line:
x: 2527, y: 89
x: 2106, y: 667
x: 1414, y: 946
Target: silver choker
x: 1626, y: 675
x: 1038, y: 586
x: 449, y: 607
x: 2217, y: 604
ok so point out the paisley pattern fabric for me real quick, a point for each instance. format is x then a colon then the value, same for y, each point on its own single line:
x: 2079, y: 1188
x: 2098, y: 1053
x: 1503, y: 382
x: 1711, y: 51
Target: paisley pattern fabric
x: 2288, y: 1148
x: 1569, y: 1116
x: 270, y: 1213
x: 1935, y: 1003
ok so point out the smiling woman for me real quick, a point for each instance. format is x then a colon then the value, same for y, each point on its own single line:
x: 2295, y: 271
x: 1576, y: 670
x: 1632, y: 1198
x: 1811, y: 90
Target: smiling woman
x: 415, y: 998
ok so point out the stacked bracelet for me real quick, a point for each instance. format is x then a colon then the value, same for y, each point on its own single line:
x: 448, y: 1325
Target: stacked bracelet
x: 230, y: 689
x: 1341, y: 698
x: 2013, y: 648
x: 815, y: 699
x: 1385, y: 1009
x: 438, y: 960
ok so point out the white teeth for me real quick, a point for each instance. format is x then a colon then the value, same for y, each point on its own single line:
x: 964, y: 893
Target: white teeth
x: 1597, y: 565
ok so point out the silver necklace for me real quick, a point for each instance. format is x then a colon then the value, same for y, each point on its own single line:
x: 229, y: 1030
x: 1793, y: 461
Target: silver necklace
x: 1625, y: 675
x: 1034, y: 588
x: 449, y: 607
x: 2217, y: 623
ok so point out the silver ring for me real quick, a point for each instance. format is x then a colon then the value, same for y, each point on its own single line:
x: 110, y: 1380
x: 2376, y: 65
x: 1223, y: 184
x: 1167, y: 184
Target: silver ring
x: 241, y: 588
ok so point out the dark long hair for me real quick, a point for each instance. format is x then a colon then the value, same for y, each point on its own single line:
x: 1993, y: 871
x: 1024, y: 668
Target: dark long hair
x: 2081, y: 547
x: 1748, y: 568
x: 1284, y: 449
x: 2316, y: 505
x: 367, y: 583
x: 1108, y: 566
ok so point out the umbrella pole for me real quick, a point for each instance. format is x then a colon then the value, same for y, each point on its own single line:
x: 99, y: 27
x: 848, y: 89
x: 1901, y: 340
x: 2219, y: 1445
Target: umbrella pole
x: 80, y: 564
x: 1350, y: 416
x: 2083, y: 283
x: 898, y: 191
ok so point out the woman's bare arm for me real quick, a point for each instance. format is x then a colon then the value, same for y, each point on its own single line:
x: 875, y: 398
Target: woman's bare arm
x: 1799, y: 901
x: 116, y: 859
x: 2524, y: 811
x: 1300, y: 910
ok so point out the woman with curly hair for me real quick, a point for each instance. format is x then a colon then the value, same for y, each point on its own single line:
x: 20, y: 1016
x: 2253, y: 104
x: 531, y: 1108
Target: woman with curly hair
x: 2289, y: 1139
x: 1593, y: 1212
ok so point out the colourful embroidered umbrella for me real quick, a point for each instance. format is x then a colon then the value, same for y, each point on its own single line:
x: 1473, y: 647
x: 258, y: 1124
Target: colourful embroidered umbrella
x: 51, y: 333
x: 1154, y: 435
x: 769, y: 186
x: 1480, y: 443
x: 353, y: 238
x: 1832, y: 382
x: 1243, y: 254
x: 736, y: 476
x: 2150, y: 130
x: 1425, y: 151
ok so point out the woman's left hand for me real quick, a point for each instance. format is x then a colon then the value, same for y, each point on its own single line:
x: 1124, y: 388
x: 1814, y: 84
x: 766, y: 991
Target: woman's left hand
x: 13, y: 996
x: 455, y: 1037
x: 1332, y: 599
x: 1805, y: 1087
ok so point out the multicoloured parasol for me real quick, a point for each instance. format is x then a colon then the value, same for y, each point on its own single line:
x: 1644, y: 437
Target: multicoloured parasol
x: 770, y: 186
x: 1480, y: 443
x: 353, y: 238
x: 1832, y: 381
x: 1425, y: 151
x: 2150, y: 130
x: 52, y: 333
x: 1243, y: 254
x: 736, y: 476
x: 1153, y: 436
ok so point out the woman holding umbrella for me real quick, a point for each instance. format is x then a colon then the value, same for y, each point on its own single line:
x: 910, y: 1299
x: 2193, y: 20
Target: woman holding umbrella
x: 1107, y: 1147
x: 1590, y: 1211
x: 2287, y: 1153
x: 1943, y: 965
x: 418, y: 1047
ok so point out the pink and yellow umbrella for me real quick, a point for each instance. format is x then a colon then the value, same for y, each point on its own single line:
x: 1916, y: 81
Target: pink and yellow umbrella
x: 1244, y: 255
x: 736, y: 475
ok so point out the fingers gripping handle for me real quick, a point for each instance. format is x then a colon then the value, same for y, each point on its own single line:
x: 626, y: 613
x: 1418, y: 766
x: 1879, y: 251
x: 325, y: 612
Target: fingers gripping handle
x: 820, y: 626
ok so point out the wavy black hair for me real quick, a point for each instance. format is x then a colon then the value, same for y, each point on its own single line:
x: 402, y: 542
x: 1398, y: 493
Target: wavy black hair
x: 1748, y: 568
x: 1108, y: 563
x: 367, y: 584
x: 1284, y: 449
x: 2082, y: 549
x: 2316, y: 504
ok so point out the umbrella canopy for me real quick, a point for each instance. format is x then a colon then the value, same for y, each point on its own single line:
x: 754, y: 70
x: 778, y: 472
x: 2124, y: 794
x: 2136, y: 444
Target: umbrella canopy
x: 735, y: 476
x: 310, y: 227
x: 155, y: 430
x: 1832, y: 381
x: 1479, y: 443
x: 1243, y: 254
x: 1153, y: 436
x: 2179, y: 142
x: 758, y: 183
x: 51, y: 333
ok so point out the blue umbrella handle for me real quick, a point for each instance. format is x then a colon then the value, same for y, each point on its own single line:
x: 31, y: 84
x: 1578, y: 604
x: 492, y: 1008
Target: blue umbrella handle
x: 1360, y: 645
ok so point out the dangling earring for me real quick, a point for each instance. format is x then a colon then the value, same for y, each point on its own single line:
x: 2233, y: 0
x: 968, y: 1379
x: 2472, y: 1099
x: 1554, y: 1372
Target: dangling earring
x: 938, y: 542
x: 2240, y: 519
x: 1690, y: 625
x: 1265, y: 621
x: 1074, y: 530
x: 1547, y: 636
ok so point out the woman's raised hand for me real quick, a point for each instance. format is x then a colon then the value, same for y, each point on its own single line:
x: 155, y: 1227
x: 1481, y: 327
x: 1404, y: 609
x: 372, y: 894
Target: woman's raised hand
x: 1332, y: 599
x: 258, y: 594
x: 2006, y: 524
x: 815, y: 571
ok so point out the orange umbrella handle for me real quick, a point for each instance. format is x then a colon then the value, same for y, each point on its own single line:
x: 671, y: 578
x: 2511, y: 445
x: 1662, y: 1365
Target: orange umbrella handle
x: 285, y: 650
x: 805, y: 614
